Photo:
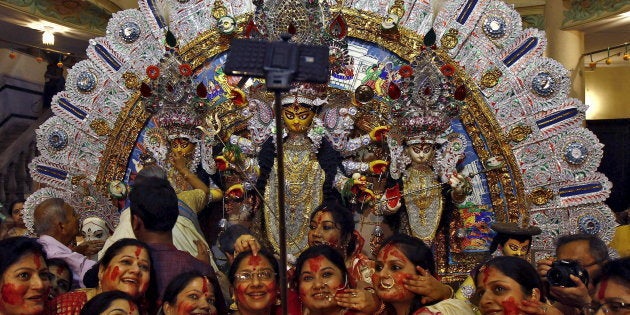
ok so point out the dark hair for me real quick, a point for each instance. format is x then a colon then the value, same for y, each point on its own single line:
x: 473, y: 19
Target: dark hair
x: 415, y: 249
x: 319, y: 250
x: 228, y: 237
x: 501, y: 238
x: 13, y: 249
x: 182, y: 280
x: 518, y: 269
x: 418, y: 253
x: 156, y: 203
x: 597, y: 247
x: 102, y: 301
x: 117, y: 246
x: 237, y: 260
x: 617, y: 269
x: 343, y: 219
x: 11, y: 205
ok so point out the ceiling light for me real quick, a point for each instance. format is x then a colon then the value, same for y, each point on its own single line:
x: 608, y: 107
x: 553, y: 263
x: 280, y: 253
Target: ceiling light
x: 48, y: 38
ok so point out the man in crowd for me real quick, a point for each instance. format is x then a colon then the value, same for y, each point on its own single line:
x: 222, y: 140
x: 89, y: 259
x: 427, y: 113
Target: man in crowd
x: 57, y: 225
x: 591, y: 253
x: 154, y: 211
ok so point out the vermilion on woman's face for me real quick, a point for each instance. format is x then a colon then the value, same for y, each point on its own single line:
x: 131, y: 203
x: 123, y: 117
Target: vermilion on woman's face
x: 195, y: 298
x: 255, y: 294
x: 324, y: 230
x: 24, y: 286
x: 319, y: 281
x: 391, y: 269
x: 128, y: 271
x: 498, y: 293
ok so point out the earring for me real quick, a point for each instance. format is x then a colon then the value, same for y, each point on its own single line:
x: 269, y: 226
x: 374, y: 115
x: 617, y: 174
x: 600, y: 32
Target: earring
x: 233, y: 306
x: 278, y: 300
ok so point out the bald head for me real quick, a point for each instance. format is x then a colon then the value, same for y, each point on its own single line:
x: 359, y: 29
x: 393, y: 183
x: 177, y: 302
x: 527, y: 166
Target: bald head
x: 56, y: 218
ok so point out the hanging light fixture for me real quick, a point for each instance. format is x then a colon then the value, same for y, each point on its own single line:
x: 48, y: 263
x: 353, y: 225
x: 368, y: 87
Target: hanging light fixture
x: 592, y: 64
x: 48, y: 38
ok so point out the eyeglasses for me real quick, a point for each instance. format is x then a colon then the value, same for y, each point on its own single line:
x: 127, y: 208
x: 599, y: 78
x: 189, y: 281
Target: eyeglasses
x: 263, y: 275
x: 607, y: 308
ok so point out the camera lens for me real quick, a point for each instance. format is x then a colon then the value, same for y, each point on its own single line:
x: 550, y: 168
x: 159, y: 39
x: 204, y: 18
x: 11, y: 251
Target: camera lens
x: 556, y: 277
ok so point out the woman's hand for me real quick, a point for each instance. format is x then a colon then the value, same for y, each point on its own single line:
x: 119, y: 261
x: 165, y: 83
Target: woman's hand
x: 530, y: 307
x: 425, y: 285
x: 203, y: 252
x: 363, y: 301
x: 246, y: 242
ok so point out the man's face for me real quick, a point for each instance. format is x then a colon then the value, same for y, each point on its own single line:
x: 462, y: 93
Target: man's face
x: 580, y: 252
x: 72, y: 224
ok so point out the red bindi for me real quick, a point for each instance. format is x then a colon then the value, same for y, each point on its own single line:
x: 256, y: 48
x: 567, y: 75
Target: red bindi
x: 138, y: 251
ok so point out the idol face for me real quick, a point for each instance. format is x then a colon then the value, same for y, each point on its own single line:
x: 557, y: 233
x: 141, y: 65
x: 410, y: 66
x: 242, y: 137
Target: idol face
x: 95, y: 229
x: 297, y: 118
x: 421, y: 152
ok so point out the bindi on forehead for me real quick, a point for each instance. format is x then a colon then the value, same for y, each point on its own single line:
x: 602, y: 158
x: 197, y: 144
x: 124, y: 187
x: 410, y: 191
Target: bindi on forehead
x: 138, y: 251
x: 392, y: 252
x: 254, y: 261
x: 315, y: 263
x: 204, y: 287
x: 601, y: 293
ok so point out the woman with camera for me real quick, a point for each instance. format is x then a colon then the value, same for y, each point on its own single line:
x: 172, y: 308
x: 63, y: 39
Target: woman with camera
x: 510, y: 285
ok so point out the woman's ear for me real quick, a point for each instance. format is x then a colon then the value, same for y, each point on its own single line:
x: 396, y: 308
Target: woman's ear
x: 167, y: 308
x: 535, y: 295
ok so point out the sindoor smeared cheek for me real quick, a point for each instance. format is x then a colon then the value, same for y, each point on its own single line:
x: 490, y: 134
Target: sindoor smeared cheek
x: 115, y: 272
x: 509, y: 306
x: 240, y: 292
x: 13, y: 294
x: 185, y: 308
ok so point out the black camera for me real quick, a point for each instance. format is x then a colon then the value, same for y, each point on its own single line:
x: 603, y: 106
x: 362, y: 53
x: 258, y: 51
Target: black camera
x: 559, y: 274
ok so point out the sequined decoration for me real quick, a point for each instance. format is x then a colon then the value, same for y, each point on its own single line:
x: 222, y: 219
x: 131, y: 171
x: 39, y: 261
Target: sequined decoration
x: 589, y: 224
x: 86, y: 81
x: 543, y: 84
x: 58, y: 140
x: 494, y: 26
x: 575, y: 153
x: 129, y: 32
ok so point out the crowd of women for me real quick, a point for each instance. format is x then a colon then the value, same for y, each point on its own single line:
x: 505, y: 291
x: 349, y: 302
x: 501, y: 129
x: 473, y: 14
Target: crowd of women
x: 329, y: 277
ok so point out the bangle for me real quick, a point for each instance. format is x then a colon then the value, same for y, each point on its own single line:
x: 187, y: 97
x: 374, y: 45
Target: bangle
x: 452, y: 295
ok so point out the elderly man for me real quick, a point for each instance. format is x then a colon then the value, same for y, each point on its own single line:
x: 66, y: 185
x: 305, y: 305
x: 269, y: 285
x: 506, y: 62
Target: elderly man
x: 57, y: 226
x: 591, y: 253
